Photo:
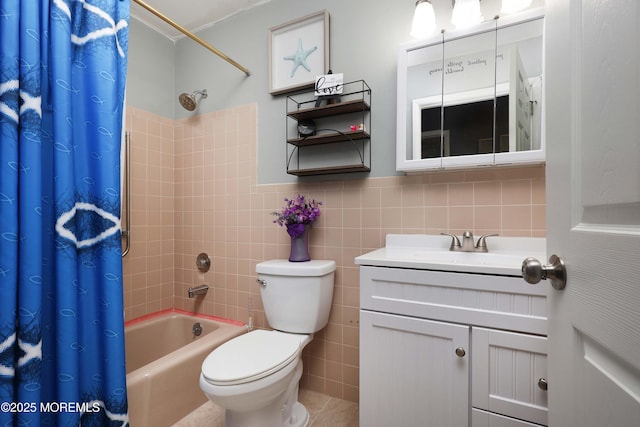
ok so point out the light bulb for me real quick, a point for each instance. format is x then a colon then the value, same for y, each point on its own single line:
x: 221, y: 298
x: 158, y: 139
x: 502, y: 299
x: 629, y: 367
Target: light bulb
x: 466, y: 13
x: 424, y: 20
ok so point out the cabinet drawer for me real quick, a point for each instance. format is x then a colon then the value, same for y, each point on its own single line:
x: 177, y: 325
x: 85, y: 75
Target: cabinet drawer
x: 480, y: 418
x: 506, y: 369
x: 501, y: 302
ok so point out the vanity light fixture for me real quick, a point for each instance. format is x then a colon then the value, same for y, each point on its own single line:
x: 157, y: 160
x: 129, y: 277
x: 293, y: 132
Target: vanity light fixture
x: 465, y: 13
x: 424, y: 19
x: 510, y: 6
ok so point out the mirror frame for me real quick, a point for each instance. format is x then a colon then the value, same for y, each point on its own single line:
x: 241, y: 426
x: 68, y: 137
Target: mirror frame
x: 403, y: 164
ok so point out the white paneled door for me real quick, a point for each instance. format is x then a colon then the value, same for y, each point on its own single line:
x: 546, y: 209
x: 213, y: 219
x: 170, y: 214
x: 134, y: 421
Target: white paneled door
x: 592, y: 93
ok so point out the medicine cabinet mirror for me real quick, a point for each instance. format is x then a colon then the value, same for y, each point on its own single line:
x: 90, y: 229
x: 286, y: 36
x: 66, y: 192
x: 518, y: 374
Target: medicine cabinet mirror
x: 472, y: 98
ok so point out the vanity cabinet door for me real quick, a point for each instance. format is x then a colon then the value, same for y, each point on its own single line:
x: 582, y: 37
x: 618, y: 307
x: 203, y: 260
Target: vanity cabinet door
x: 413, y: 372
x: 509, y: 374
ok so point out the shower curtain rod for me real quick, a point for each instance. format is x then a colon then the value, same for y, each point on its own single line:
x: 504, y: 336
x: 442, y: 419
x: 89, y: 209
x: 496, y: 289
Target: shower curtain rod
x: 192, y: 36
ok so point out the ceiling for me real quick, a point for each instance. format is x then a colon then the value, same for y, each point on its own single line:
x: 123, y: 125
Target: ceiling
x: 190, y: 14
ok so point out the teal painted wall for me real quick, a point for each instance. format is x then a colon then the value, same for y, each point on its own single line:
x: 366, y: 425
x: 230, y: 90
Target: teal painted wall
x: 151, y: 71
x: 364, y: 39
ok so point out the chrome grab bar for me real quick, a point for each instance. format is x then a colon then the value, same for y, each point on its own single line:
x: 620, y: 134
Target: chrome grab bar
x: 126, y: 233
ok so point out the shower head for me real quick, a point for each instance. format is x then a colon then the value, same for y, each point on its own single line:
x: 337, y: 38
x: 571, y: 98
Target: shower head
x: 188, y: 100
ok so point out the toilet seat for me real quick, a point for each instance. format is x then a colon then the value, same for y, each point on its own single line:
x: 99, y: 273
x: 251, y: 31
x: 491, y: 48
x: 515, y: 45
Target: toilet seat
x: 251, y: 356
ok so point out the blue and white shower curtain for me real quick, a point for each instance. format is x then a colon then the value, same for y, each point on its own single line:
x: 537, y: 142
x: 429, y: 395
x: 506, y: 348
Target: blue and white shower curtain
x: 62, y: 78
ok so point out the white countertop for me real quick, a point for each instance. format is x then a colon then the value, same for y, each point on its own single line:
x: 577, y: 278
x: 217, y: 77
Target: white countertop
x: 431, y: 252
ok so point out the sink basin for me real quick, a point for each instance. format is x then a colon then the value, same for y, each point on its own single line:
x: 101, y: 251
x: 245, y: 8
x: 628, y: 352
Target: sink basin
x: 432, y: 252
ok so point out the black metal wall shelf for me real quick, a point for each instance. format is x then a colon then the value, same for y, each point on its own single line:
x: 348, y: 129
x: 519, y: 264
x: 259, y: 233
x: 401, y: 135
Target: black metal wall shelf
x: 331, y: 128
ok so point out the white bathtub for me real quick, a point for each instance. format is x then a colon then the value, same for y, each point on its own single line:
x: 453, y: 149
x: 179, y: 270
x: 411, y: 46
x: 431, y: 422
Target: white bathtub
x: 164, y: 360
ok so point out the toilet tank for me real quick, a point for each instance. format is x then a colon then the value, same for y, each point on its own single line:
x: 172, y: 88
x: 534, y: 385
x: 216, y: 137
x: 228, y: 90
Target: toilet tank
x: 297, y: 296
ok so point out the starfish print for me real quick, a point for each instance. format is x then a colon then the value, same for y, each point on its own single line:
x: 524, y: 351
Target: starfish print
x: 299, y: 58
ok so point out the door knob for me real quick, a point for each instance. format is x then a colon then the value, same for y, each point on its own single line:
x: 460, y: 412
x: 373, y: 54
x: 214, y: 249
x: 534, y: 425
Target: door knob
x: 543, y: 384
x: 460, y: 352
x: 533, y: 271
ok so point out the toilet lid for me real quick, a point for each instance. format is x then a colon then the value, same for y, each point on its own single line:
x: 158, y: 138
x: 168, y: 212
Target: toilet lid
x: 250, y: 357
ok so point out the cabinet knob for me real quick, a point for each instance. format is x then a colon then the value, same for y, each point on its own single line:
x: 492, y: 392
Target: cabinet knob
x: 460, y: 352
x: 542, y: 384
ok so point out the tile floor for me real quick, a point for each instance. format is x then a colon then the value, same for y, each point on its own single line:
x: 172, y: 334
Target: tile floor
x: 324, y: 411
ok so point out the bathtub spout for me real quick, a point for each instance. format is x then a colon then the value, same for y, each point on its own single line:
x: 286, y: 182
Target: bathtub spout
x: 198, y: 290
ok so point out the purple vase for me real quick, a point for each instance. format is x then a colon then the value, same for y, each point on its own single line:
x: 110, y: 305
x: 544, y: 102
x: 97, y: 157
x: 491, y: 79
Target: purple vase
x: 300, y: 247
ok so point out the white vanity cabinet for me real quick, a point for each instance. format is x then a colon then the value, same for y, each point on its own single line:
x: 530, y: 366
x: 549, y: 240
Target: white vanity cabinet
x: 450, y: 349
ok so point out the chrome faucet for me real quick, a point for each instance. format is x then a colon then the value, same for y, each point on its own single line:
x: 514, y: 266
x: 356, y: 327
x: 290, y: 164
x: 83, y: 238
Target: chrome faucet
x: 198, y: 290
x: 467, y: 244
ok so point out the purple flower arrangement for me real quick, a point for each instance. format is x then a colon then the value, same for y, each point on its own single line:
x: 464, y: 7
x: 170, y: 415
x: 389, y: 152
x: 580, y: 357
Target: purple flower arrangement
x: 297, y: 213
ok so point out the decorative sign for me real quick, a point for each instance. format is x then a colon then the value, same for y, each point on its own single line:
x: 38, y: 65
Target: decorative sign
x: 329, y: 85
x: 464, y: 73
x: 461, y: 64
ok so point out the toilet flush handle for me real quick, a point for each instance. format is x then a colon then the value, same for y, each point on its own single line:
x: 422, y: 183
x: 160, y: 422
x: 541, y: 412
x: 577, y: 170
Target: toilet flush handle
x: 262, y: 282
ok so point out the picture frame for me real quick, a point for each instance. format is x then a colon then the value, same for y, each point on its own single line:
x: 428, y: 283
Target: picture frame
x: 298, y: 52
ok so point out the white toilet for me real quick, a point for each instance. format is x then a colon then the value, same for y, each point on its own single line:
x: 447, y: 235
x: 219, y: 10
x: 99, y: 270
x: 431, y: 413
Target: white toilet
x: 255, y: 376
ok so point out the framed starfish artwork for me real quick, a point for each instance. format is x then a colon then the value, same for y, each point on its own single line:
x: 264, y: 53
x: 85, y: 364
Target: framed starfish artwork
x: 298, y: 52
